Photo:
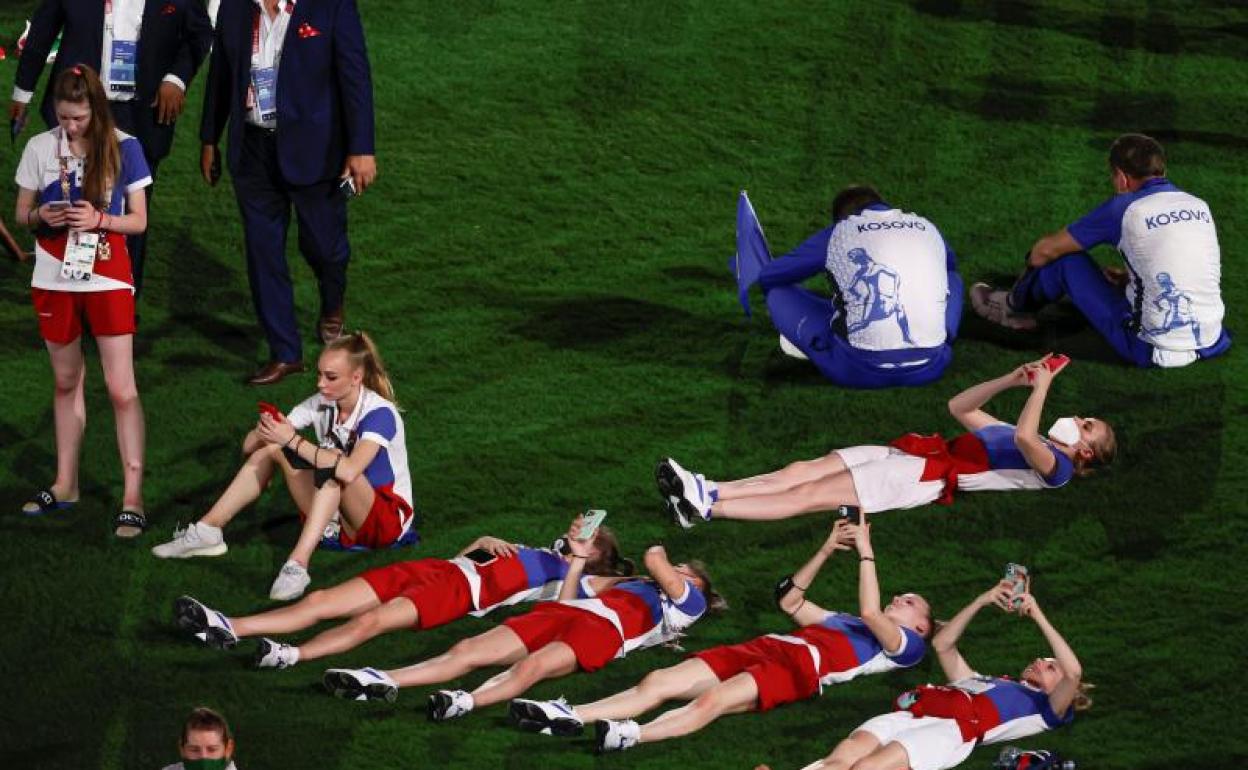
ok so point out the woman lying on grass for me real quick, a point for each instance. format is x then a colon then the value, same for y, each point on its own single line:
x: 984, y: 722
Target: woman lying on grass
x: 913, y: 470
x: 426, y: 593
x: 554, y: 639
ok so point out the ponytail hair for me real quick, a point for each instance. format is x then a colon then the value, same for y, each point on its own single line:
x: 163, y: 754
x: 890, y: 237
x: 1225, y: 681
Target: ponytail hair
x: 609, y: 561
x: 1083, y: 701
x: 715, y: 602
x: 80, y: 85
x: 363, y: 353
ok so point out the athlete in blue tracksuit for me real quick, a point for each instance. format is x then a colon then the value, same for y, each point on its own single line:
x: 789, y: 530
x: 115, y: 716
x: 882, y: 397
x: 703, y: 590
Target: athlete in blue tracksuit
x: 897, y: 295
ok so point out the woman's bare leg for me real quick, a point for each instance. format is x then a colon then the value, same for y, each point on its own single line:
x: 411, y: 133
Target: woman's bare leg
x: 820, y: 495
x: 343, y: 600
x: 355, y: 501
x: 784, y: 479
x: 391, y: 616
x: 684, y: 681
x: 731, y: 696
x: 497, y: 647
x: 858, y: 746
x: 251, y: 480
x: 554, y: 660
x: 117, y: 360
x: 69, y: 415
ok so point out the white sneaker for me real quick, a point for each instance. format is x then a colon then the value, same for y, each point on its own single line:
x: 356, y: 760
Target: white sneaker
x: 791, y: 350
x: 686, y: 494
x: 617, y: 735
x: 993, y: 305
x: 291, y: 582
x: 198, y: 539
x: 360, y: 684
x: 271, y: 654
x: 449, y: 704
x: 548, y: 717
x: 204, y: 623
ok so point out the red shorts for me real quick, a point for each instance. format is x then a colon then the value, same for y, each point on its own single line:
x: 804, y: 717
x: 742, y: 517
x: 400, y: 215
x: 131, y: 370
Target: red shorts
x: 61, y: 313
x: 784, y: 672
x: 384, y: 522
x: 435, y: 587
x: 593, y: 639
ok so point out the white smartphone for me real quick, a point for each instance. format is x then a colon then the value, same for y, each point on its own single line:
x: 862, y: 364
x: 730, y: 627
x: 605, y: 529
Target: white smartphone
x: 590, y: 522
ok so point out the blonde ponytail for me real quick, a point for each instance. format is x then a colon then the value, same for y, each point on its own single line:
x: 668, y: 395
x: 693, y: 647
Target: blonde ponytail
x: 363, y: 353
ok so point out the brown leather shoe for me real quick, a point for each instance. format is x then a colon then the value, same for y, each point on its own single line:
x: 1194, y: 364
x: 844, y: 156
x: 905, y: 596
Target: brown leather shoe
x: 274, y: 372
x: 329, y: 327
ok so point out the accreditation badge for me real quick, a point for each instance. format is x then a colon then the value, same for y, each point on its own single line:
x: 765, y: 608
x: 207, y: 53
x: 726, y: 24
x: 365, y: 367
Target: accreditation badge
x: 122, y: 63
x: 264, y: 86
x: 79, y: 261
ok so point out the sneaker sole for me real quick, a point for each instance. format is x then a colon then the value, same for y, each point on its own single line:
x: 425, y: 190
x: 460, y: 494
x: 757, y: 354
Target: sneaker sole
x: 343, y: 685
x: 984, y: 309
x: 600, y: 736
x: 436, y: 707
x: 673, y: 492
x: 530, y: 718
x: 212, y: 550
x: 189, y: 616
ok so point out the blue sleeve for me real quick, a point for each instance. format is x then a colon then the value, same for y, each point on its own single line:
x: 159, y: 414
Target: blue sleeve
x: 912, y: 650
x: 1063, y: 472
x: 1050, y: 718
x: 799, y: 264
x: 951, y: 259
x: 134, y: 170
x: 693, y: 603
x: 379, y: 422
x: 1101, y: 225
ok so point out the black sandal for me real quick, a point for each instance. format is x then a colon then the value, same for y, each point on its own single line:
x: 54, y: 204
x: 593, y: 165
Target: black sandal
x: 132, y: 519
x: 44, y: 501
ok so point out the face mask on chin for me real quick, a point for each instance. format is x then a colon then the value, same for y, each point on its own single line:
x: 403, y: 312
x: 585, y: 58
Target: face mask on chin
x: 1065, y: 430
x: 206, y: 764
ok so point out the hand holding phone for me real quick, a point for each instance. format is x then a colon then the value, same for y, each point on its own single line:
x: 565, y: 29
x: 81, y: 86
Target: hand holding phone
x: 1019, y: 580
x: 1054, y: 362
x: 272, y: 411
x: 851, y: 513
x: 590, y: 522
x: 347, y: 185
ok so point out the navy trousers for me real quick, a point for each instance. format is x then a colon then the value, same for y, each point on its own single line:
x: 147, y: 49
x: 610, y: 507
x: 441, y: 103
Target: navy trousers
x: 805, y: 319
x: 265, y: 199
x: 126, y: 117
x: 1104, y: 305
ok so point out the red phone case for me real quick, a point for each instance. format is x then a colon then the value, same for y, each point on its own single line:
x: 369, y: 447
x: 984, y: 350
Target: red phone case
x: 272, y: 411
x: 1054, y: 363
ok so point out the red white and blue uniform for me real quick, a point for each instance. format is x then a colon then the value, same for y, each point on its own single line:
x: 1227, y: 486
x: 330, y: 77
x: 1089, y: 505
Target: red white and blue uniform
x: 443, y: 590
x: 1170, y: 313
x: 940, y: 725
x: 917, y: 470
x: 630, y: 615
x: 790, y: 667
x: 377, y: 420
x: 897, y: 303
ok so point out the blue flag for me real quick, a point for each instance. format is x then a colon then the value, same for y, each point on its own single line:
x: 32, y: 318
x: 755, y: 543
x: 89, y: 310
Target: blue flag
x: 752, y: 251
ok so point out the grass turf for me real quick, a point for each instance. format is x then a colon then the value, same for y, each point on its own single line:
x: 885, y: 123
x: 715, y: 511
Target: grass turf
x: 542, y: 264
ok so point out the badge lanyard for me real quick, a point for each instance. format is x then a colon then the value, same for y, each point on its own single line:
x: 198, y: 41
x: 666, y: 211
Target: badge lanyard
x: 261, y: 91
x: 122, y: 57
x: 83, y: 248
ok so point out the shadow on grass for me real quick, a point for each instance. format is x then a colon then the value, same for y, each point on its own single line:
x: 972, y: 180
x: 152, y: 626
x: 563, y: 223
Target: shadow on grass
x: 1156, y: 33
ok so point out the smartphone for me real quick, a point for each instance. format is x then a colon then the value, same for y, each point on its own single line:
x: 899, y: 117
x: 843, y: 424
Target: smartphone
x: 1017, y: 574
x: 590, y: 522
x: 347, y: 185
x: 1055, y: 363
x: 480, y: 556
x: 272, y: 411
x: 59, y: 204
x: 851, y: 513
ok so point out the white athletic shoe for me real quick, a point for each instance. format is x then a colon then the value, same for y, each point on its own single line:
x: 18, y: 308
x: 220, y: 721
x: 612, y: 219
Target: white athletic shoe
x: 686, y: 494
x: 204, y: 623
x: 449, y: 704
x: 548, y: 717
x: 360, y: 684
x: 291, y: 582
x: 197, y: 539
x: 791, y: 350
x: 271, y: 654
x: 993, y: 305
x: 617, y: 734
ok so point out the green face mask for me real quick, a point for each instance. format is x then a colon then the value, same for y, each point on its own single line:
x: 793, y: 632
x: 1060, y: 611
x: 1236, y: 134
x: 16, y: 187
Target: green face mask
x: 206, y: 764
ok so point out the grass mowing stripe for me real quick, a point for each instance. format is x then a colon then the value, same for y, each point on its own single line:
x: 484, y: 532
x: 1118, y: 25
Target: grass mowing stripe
x: 135, y: 598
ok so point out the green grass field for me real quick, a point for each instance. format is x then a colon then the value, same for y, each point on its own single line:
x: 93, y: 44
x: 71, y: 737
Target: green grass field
x: 542, y: 263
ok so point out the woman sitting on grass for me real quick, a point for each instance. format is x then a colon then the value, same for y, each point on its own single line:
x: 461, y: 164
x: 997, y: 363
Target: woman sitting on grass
x: 422, y: 594
x: 914, y: 470
x: 358, y: 466
x: 937, y: 726
x: 555, y: 638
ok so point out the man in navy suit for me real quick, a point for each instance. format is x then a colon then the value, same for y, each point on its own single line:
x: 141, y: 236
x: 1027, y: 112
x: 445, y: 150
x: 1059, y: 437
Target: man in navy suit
x: 292, y: 82
x: 146, y: 51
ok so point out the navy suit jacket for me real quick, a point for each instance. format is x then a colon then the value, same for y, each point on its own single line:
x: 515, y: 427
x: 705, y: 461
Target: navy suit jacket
x: 173, y: 40
x: 324, y: 88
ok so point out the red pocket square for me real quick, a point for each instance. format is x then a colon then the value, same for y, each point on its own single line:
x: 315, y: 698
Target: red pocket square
x: 306, y: 30
x: 169, y: 9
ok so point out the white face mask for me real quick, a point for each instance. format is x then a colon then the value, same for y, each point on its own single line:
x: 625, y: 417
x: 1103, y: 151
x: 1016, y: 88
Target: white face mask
x: 1065, y: 430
